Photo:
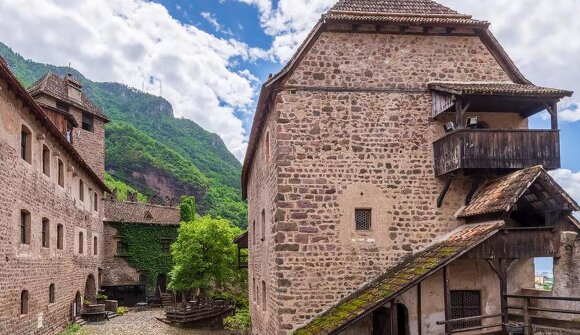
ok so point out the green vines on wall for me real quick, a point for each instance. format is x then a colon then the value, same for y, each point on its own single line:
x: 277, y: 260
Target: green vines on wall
x: 144, y: 248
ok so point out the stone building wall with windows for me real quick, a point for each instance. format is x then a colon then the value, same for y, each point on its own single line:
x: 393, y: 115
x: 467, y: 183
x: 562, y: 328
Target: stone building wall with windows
x: 353, y: 131
x: 42, y: 218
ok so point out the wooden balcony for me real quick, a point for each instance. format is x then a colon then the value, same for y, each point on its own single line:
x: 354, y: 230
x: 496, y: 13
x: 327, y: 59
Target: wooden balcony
x: 496, y: 149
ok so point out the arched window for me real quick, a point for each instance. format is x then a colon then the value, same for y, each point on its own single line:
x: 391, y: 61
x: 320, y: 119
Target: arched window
x: 59, y: 237
x: 24, y: 227
x: 81, y: 190
x: 60, y: 173
x: 26, y: 144
x: 267, y: 146
x: 45, y: 233
x: 95, y: 245
x: 51, y: 294
x: 24, y: 302
x: 45, y: 160
x: 95, y: 202
x: 81, y: 242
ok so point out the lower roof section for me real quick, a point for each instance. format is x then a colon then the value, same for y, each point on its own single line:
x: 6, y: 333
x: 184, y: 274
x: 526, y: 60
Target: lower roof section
x: 399, y: 278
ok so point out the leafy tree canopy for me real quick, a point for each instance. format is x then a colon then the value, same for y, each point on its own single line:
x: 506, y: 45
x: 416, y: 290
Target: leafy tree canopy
x: 204, y: 255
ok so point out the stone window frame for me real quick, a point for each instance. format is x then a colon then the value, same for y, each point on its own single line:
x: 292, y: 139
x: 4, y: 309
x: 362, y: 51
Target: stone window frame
x: 60, y: 173
x: 81, y: 190
x: 51, y: 294
x: 357, y: 209
x: 263, y: 226
x: 264, y: 301
x: 95, y: 201
x: 121, y: 252
x: 95, y: 245
x: 25, y: 222
x: 24, y: 302
x: 45, y: 233
x: 25, y: 142
x: 81, y: 244
x: 45, y: 159
x: 165, y: 245
x: 88, y: 122
x: 267, y: 153
x: 60, y: 236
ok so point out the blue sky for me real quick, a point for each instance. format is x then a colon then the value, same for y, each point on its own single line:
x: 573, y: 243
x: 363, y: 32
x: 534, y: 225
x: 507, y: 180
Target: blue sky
x: 211, y: 56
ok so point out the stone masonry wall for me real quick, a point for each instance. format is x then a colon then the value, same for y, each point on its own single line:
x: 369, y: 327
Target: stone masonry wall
x: 262, y: 191
x: 33, y: 267
x: 90, y: 145
x: 336, y: 151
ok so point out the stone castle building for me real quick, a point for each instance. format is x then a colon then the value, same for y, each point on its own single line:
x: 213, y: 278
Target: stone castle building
x: 54, y: 243
x: 393, y: 185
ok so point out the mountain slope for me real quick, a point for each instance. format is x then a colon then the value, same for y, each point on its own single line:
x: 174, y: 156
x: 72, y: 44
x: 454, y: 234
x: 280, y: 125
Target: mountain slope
x: 167, y: 156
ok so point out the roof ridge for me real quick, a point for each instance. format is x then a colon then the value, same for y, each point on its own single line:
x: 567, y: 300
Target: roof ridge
x: 421, y: 7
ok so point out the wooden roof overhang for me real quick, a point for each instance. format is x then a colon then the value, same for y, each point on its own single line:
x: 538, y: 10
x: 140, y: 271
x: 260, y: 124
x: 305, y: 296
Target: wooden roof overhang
x: 67, y: 115
x: 371, y: 22
x: 479, y: 97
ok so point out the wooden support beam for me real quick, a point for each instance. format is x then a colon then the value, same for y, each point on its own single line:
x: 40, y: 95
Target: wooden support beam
x: 447, y: 298
x: 494, y: 266
x: 458, y: 114
x: 554, y: 115
x: 503, y: 273
x: 419, y: 321
x: 527, y: 318
x: 394, y: 319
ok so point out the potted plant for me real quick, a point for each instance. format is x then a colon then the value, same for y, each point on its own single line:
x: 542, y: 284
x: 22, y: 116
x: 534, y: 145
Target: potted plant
x: 101, y: 298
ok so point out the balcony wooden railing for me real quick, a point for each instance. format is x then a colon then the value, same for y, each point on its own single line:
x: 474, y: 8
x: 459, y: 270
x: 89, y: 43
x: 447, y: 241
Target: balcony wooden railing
x: 496, y: 149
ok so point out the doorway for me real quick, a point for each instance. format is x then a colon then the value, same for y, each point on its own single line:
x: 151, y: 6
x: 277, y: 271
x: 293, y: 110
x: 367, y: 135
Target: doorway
x: 90, y: 289
x: 382, y: 321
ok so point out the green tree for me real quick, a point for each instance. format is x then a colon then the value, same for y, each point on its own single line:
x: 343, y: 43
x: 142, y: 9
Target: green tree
x: 204, y: 256
x: 187, y: 209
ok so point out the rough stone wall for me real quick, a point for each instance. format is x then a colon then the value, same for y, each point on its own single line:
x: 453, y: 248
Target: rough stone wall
x: 116, y: 269
x: 370, y: 147
x: 32, y: 267
x: 262, y: 191
x: 90, y: 145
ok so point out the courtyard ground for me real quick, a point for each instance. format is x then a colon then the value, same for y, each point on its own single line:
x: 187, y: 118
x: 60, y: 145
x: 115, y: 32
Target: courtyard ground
x: 142, y: 323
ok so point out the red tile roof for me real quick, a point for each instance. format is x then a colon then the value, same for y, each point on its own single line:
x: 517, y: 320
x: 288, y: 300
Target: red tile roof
x: 498, y: 88
x: 56, y: 86
x: 393, y: 7
x: 136, y: 212
x: 399, y: 278
x: 502, y: 193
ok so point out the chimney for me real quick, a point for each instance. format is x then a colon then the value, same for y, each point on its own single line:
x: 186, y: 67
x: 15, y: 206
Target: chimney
x: 74, y: 88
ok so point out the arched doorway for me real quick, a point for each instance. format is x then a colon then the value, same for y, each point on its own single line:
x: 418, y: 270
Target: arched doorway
x: 90, y: 288
x: 161, y: 285
x: 402, y: 320
x: 77, y: 304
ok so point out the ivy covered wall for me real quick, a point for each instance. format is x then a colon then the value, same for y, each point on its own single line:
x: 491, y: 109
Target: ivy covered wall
x: 144, y: 248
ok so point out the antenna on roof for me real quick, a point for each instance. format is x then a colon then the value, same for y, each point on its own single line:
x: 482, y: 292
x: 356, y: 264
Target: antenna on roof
x: 69, y: 70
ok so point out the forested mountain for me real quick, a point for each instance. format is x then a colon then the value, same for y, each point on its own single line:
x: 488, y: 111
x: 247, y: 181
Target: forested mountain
x: 150, y: 150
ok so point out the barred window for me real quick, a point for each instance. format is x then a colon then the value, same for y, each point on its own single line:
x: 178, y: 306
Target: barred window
x: 465, y: 304
x: 362, y: 218
x: 122, y: 248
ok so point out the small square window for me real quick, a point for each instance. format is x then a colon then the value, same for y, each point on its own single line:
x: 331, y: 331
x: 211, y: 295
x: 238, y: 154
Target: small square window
x: 87, y: 123
x: 362, y: 218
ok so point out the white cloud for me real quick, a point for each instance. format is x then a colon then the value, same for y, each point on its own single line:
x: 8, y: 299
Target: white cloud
x: 570, y: 181
x: 130, y: 41
x: 214, y: 22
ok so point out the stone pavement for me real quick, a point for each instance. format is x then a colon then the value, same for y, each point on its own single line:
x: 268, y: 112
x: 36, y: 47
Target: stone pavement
x: 142, y: 323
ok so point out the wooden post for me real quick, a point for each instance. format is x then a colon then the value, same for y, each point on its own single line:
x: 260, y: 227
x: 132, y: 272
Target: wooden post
x: 419, y: 322
x: 554, y: 115
x: 503, y: 291
x: 458, y: 113
x: 527, y: 317
x: 447, y: 298
x: 394, y: 319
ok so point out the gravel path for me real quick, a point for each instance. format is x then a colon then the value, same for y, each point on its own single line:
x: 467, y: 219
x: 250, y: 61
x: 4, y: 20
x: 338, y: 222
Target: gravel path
x: 142, y: 323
